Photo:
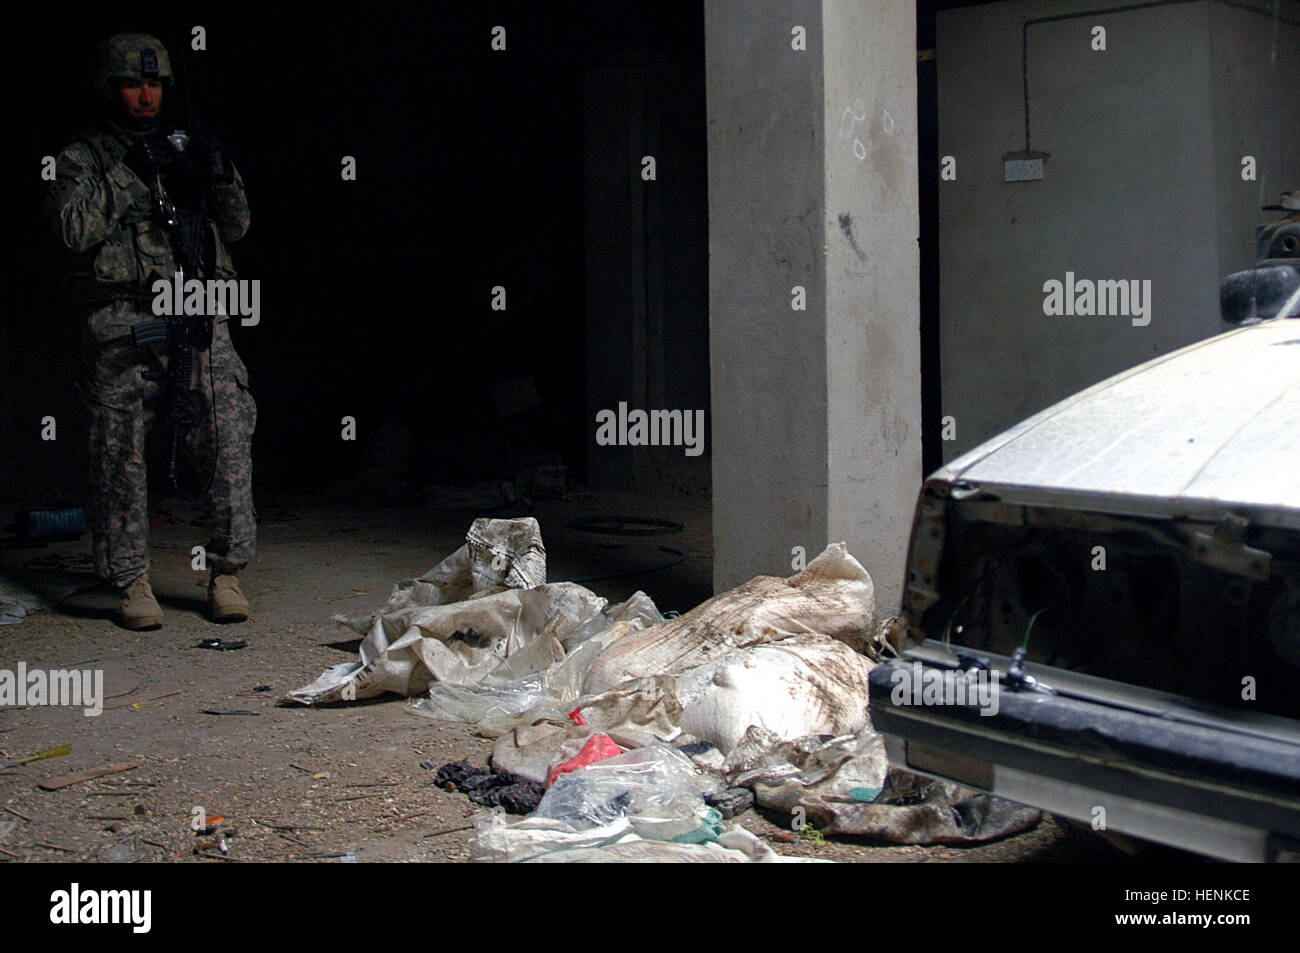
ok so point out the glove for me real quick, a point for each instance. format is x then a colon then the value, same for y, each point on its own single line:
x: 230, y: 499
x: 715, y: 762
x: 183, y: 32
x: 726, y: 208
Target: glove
x: 190, y: 173
x: 148, y: 156
x: 205, y: 160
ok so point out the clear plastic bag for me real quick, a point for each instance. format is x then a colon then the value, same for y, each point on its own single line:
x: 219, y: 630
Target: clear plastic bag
x: 657, y: 788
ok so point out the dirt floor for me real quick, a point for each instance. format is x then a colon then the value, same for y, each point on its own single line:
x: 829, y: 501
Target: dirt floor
x: 326, y: 784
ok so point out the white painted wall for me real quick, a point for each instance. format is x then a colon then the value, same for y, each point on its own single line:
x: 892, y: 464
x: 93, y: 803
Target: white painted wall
x: 1142, y: 183
x: 1254, y: 114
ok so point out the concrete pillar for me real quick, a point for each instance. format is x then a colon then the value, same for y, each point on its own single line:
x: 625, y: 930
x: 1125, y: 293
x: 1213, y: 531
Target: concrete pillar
x: 812, y: 184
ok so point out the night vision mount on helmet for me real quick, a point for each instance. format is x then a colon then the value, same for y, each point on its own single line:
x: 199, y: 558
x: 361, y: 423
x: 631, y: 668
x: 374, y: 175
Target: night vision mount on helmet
x: 133, y: 56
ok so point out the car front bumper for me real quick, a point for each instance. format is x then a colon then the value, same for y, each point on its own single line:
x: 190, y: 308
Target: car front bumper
x: 1114, y: 756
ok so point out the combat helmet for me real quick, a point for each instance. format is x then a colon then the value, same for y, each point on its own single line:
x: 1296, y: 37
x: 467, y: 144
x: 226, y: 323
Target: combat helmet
x: 133, y: 56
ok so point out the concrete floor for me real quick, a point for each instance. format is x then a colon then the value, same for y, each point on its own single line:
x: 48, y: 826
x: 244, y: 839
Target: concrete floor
x: 296, y: 783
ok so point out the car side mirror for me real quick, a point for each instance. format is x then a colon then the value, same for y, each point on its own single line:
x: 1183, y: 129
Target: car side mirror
x: 1262, y: 292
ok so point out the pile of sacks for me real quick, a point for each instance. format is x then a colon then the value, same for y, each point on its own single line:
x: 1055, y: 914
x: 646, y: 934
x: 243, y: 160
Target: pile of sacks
x: 642, y: 727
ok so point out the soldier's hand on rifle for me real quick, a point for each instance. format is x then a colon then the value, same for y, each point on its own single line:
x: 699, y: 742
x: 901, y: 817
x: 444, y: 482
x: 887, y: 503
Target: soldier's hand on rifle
x: 209, y: 156
x: 148, y: 156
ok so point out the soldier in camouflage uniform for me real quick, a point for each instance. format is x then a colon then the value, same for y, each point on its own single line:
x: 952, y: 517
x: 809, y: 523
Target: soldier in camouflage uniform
x: 103, y: 208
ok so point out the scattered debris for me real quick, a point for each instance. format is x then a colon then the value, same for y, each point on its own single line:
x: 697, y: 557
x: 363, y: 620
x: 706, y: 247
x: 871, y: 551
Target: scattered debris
x: 622, y: 734
x: 64, y: 781
x: 448, y: 830
x: 808, y: 832
x: 391, y: 822
x: 132, y: 702
x: 289, y: 827
x: 731, y: 802
x: 917, y: 810
x: 45, y: 755
x: 483, y: 786
x: 63, y: 562
x: 228, y: 711
x: 19, y: 599
x: 822, y: 777
x: 220, y: 645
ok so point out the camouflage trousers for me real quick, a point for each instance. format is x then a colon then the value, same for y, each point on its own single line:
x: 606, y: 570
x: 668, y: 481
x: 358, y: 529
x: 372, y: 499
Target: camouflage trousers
x: 124, y: 408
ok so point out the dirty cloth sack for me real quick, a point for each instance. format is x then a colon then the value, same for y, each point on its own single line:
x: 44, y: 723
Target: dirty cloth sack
x: 832, y: 597
x: 817, y: 774
x: 457, y: 621
x: 918, y: 810
x: 506, y: 553
x: 798, y: 686
x: 844, y: 786
x: 764, y: 654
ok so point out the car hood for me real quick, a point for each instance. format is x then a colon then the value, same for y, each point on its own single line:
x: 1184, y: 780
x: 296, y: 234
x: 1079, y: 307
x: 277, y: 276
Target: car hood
x: 1216, y: 422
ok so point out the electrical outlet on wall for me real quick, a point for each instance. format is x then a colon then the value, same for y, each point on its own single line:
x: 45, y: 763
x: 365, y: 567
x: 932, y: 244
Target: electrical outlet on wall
x: 1023, y: 166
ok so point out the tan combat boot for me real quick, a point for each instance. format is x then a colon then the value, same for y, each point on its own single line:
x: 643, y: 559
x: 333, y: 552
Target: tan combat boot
x: 226, y: 602
x: 140, y: 610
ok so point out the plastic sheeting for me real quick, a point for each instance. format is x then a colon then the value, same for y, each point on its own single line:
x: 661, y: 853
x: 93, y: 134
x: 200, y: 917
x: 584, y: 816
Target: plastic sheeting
x: 641, y: 806
x: 736, y: 846
x: 484, y: 627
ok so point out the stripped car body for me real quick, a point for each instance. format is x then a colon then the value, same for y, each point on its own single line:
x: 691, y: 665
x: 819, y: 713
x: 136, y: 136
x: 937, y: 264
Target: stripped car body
x: 1127, y: 565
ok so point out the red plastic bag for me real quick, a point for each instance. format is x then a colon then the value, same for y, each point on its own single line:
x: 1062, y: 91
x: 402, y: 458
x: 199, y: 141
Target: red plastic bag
x: 597, y: 748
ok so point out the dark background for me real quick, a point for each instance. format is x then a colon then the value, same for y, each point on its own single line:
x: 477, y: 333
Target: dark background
x: 375, y: 293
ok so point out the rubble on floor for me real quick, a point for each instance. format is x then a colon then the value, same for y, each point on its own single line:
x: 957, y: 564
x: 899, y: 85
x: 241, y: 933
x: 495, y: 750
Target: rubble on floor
x: 644, y: 732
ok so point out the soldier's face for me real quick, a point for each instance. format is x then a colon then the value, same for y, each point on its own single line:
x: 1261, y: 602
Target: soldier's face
x: 139, y: 99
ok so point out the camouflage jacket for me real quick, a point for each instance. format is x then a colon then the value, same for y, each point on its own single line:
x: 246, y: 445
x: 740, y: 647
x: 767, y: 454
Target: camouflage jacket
x: 101, y: 212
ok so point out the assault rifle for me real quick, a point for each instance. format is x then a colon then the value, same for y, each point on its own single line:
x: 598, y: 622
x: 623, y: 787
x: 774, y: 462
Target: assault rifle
x: 191, y: 237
